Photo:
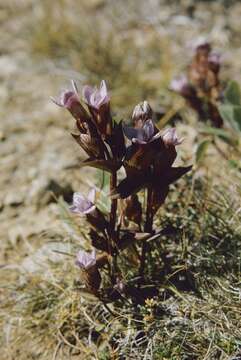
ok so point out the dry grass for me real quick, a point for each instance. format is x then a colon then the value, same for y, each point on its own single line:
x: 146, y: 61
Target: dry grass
x: 195, y: 266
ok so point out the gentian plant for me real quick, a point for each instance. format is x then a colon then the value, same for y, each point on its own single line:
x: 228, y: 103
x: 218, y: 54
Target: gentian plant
x: 201, y: 86
x: 147, y: 155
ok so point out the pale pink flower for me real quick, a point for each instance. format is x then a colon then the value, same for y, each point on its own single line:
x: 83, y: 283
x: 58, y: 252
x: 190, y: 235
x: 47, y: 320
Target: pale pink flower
x: 178, y: 84
x: 86, y: 260
x: 83, y: 205
x: 170, y: 138
x: 67, y: 97
x: 95, y: 97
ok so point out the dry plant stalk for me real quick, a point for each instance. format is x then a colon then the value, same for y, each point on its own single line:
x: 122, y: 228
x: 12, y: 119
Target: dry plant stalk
x: 147, y: 156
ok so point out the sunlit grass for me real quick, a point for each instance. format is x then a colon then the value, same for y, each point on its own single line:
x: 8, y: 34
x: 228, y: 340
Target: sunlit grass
x: 194, y: 316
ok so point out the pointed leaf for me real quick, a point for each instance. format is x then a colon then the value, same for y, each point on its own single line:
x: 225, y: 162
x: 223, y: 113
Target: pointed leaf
x: 201, y: 150
x: 107, y: 165
x: 131, y: 185
x: 170, y: 176
x: 231, y: 116
x: 237, y: 116
x: 232, y: 93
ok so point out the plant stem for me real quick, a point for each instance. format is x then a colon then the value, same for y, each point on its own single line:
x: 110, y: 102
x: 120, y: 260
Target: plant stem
x: 113, y: 216
x: 113, y: 210
x: 147, y: 228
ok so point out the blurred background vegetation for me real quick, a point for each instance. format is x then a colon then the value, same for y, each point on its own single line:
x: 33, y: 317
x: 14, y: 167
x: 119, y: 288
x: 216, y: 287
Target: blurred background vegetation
x: 137, y: 47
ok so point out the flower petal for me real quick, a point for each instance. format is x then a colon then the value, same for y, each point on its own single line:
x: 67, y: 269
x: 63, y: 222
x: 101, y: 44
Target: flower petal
x: 86, y: 93
x: 91, y: 195
x: 86, y: 260
x: 179, y: 83
x: 148, y: 130
x: 103, y: 89
x: 75, y: 88
x: 130, y: 132
x: 81, y: 204
x: 170, y: 137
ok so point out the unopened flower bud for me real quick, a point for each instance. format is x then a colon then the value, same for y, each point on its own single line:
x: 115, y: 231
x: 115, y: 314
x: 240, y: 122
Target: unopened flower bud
x: 141, y: 113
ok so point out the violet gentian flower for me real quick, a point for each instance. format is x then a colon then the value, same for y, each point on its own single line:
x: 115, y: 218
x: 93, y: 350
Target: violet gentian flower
x: 214, y: 57
x: 98, y: 102
x: 83, y: 205
x: 170, y: 138
x: 95, y: 97
x: 86, y: 206
x: 214, y: 60
x: 67, y: 96
x: 69, y: 99
x: 89, y: 274
x: 178, y: 84
x: 143, y: 135
x: 86, y: 260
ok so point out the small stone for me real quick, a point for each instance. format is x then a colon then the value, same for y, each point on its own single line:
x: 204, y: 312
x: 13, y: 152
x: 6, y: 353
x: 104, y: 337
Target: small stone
x: 15, y: 235
x: 14, y: 199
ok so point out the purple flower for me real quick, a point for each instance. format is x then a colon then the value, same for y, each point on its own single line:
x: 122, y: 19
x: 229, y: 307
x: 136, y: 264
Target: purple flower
x: 214, y: 57
x: 214, y: 60
x: 98, y: 102
x: 170, y: 138
x: 143, y: 135
x: 86, y: 260
x: 69, y: 99
x: 178, y: 84
x: 82, y: 205
x: 95, y: 97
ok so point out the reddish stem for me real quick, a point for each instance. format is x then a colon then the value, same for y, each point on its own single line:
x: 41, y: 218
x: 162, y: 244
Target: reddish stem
x: 147, y: 228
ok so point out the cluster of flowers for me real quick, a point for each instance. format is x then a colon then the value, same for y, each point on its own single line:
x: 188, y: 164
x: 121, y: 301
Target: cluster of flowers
x: 201, y: 86
x: 147, y: 156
